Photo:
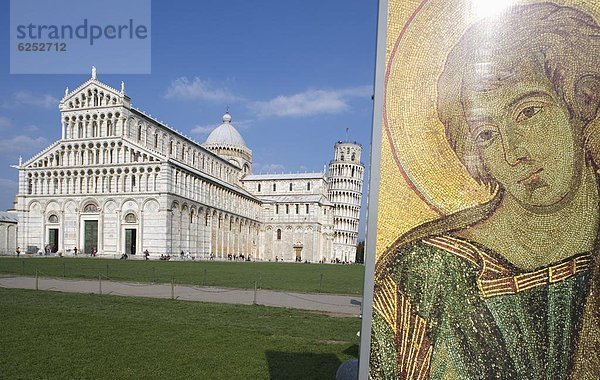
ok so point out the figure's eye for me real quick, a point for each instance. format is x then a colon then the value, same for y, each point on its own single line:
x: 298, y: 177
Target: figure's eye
x: 529, y: 112
x: 485, y: 136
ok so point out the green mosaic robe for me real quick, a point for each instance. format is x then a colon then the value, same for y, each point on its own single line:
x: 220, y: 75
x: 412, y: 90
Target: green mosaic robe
x: 450, y: 309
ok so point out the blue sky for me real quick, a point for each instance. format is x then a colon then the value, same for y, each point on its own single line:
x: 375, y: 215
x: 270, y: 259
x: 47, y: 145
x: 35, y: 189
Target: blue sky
x: 294, y: 74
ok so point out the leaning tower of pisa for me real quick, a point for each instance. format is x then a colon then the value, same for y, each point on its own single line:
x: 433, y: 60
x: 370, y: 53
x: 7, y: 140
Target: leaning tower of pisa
x: 345, y: 191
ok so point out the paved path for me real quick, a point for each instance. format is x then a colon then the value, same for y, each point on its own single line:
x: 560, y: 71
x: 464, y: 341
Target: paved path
x: 330, y: 303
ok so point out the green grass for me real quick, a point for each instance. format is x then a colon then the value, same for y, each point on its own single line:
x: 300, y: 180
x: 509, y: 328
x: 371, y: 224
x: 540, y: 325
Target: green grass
x: 340, y: 279
x: 66, y: 336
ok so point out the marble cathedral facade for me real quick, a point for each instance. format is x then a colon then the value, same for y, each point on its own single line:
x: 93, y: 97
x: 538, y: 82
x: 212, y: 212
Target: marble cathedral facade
x: 119, y: 181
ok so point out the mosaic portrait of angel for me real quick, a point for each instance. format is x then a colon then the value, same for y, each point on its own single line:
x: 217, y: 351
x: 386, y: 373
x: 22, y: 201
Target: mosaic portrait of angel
x: 496, y: 277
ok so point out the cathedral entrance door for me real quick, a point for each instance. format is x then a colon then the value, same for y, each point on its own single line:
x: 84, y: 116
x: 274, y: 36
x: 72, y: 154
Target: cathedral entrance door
x: 90, y: 236
x: 53, y: 239
x: 298, y: 251
x: 130, y: 239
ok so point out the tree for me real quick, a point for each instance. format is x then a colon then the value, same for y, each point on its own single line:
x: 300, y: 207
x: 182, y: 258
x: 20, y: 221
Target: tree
x: 360, y: 252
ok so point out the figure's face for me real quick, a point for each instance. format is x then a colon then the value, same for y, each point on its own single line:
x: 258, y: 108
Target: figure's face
x: 525, y: 137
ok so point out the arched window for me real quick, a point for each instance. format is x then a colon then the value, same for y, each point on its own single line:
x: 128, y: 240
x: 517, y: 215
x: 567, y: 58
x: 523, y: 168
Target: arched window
x: 276, y: 209
x: 287, y: 209
x: 274, y: 187
x: 308, y: 186
x: 53, y: 219
x: 279, y: 234
x: 290, y: 186
x: 259, y: 187
x: 130, y: 218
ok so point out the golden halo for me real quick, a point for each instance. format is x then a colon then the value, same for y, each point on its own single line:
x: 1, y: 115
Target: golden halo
x: 421, y: 177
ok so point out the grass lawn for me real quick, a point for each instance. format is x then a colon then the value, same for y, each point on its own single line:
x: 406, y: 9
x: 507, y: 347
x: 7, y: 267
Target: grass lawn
x: 64, y: 336
x: 325, y: 278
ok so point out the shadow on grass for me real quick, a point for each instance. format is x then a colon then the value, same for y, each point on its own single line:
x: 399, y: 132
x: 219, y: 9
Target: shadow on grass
x: 352, y: 351
x: 301, y: 365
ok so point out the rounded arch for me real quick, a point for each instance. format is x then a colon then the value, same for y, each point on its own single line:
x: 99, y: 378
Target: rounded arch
x: 110, y: 206
x: 107, y: 201
x: 130, y: 203
x: 69, y: 207
x: 52, y: 206
x: 150, y: 204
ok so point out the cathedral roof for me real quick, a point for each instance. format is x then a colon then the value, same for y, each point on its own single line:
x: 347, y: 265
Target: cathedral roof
x: 10, y: 217
x: 284, y: 176
x: 311, y: 198
x: 225, y: 134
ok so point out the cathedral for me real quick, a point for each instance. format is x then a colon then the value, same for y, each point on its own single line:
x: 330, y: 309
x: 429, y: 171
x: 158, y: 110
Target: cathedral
x: 120, y: 182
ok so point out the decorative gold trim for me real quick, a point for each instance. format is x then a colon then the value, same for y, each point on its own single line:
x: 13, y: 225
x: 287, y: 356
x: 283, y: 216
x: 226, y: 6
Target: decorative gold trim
x: 456, y: 247
x: 413, y: 347
x: 385, y: 304
x: 545, y: 276
x: 507, y: 283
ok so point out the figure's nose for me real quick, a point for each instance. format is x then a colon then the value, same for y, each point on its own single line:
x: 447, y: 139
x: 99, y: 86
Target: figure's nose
x: 514, y: 152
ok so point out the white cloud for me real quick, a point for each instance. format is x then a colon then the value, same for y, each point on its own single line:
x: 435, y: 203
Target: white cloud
x: 37, y: 100
x: 8, y: 184
x: 22, y: 144
x: 267, y: 168
x: 310, y: 102
x: 31, y: 128
x: 5, y: 122
x: 185, y: 89
x: 203, y: 129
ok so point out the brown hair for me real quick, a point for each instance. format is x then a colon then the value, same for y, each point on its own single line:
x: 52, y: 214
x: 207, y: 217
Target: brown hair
x: 562, y: 42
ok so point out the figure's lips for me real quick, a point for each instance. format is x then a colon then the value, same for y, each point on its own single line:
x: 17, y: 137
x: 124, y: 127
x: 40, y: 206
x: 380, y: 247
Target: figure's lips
x: 531, y: 178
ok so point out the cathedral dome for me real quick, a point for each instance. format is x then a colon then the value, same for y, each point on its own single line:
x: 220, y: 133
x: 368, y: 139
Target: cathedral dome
x: 225, y: 134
